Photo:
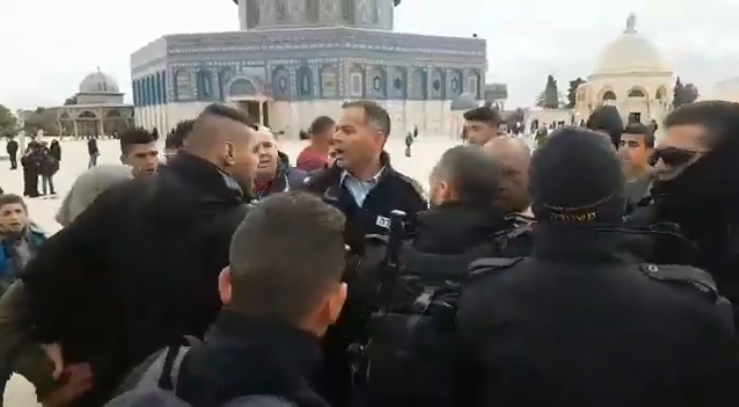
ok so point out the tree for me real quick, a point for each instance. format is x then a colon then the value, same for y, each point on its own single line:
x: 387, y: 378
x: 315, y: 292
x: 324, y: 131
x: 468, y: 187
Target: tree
x: 549, y: 98
x: 684, y: 93
x: 72, y: 100
x: 8, y: 122
x: 41, y: 119
x: 572, y: 92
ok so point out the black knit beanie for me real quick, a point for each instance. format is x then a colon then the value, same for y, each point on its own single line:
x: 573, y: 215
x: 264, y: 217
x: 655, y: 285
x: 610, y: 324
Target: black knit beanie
x: 576, y: 177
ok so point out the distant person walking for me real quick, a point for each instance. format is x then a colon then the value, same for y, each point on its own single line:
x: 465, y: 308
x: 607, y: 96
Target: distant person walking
x: 55, y: 149
x: 93, y: 152
x: 49, y: 166
x: 12, y: 149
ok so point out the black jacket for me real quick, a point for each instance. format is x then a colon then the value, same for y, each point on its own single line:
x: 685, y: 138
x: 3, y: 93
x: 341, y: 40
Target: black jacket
x: 287, y: 179
x: 243, y: 357
x: 138, y: 268
x: 454, y: 228
x: 92, y: 147
x: 393, y: 191
x: 12, y: 147
x: 584, y: 323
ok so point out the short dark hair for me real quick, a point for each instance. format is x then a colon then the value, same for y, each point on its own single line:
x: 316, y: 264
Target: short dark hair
x: 228, y: 112
x: 720, y: 118
x: 372, y: 112
x: 176, y: 138
x: 484, y: 114
x: 136, y: 136
x: 473, y: 174
x: 285, y: 254
x: 8, y: 199
x: 606, y: 118
x: 642, y: 130
x: 321, y: 124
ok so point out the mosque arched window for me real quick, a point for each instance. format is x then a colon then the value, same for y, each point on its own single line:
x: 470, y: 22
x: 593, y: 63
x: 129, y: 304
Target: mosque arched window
x: 608, y: 95
x: 637, y: 93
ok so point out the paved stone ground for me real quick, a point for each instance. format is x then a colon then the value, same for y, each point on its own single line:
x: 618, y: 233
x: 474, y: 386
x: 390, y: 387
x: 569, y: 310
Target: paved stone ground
x: 19, y: 392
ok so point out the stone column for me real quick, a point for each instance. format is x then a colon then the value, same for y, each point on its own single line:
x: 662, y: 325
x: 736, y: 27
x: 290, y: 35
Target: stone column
x: 261, y: 113
x: 75, y: 129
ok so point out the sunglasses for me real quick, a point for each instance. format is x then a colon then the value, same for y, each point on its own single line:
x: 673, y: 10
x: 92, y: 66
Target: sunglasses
x: 673, y: 156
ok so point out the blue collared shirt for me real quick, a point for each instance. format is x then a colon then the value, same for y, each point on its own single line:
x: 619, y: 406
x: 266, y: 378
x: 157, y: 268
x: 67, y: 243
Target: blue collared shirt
x: 358, y: 188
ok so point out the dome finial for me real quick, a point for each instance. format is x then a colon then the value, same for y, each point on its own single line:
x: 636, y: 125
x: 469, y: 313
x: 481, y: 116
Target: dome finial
x: 631, y: 24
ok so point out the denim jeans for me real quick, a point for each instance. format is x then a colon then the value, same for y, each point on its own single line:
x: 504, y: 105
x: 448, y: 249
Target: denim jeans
x: 93, y: 161
x: 47, y: 181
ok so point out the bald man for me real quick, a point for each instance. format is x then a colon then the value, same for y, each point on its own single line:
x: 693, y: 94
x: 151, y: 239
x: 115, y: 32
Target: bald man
x: 514, y: 156
x: 273, y: 174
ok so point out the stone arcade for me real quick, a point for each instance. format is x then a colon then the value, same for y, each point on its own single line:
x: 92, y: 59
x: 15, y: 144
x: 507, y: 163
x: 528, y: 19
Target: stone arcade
x: 297, y: 59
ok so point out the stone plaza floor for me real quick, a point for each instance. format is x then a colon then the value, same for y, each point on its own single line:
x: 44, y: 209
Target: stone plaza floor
x: 20, y: 393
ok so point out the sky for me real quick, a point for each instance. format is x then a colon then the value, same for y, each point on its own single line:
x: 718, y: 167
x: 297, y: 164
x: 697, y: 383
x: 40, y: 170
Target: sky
x: 50, y: 45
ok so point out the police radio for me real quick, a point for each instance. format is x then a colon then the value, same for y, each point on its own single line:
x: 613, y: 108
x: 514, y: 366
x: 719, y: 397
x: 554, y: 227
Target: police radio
x: 395, y: 238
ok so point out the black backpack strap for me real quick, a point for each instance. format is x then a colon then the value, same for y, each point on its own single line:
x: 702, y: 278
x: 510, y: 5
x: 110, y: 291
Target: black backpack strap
x: 170, y: 358
x: 492, y: 264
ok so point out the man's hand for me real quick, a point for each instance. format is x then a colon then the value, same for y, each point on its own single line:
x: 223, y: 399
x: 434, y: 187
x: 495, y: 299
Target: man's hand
x: 75, y: 380
x: 54, y: 352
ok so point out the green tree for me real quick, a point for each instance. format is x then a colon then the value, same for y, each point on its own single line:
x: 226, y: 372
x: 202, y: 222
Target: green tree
x: 549, y: 98
x: 8, y: 122
x: 572, y: 92
x: 684, y: 93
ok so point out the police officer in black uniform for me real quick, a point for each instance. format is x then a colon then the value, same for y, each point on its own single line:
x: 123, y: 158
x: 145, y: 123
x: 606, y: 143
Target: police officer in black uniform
x: 362, y: 183
x: 584, y: 321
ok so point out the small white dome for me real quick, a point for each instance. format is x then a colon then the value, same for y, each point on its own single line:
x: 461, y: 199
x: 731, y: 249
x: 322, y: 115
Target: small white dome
x: 631, y: 53
x: 99, y: 82
x: 465, y: 101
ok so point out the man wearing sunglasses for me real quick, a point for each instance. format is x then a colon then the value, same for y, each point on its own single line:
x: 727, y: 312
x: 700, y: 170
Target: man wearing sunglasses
x: 696, y: 186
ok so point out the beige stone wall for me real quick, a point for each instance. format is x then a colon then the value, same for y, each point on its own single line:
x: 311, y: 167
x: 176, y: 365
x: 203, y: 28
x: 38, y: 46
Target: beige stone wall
x: 431, y: 117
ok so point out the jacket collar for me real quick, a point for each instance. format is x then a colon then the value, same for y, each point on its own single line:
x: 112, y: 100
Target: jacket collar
x: 278, y: 184
x: 339, y: 175
x: 206, y: 176
x: 234, y: 329
x: 589, y: 243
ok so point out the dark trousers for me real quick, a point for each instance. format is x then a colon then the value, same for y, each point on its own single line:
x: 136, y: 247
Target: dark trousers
x: 93, y: 160
x: 47, y: 182
x: 30, y: 182
x: 13, y: 161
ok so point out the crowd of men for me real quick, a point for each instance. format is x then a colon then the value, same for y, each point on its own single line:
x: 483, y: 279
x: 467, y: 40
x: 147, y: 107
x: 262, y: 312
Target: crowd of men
x: 577, y: 276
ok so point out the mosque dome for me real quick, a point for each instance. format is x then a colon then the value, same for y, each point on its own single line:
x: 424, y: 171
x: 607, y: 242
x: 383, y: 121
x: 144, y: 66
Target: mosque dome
x: 99, y: 82
x: 465, y: 101
x: 631, y: 53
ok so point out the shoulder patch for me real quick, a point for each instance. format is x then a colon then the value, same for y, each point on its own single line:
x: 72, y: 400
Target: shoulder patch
x: 676, y: 274
x: 483, y: 266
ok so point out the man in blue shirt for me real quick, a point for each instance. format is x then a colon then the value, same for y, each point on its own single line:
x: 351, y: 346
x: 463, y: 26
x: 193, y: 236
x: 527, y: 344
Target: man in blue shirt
x: 361, y: 182
x: 19, y: 238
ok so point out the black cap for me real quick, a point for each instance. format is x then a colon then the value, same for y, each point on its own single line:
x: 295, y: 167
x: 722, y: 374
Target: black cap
x: 607, y: 119
x: 576, y: 177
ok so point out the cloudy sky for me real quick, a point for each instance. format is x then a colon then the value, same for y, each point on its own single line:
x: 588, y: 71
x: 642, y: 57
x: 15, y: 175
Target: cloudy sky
x: 49, y: 45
